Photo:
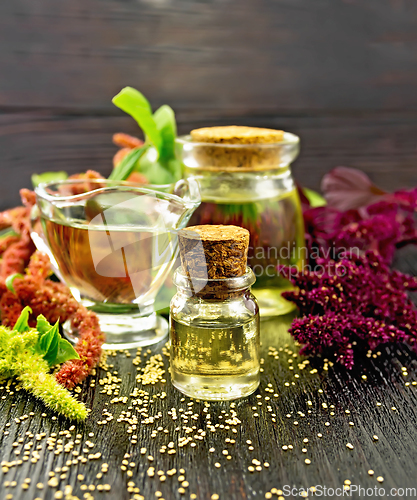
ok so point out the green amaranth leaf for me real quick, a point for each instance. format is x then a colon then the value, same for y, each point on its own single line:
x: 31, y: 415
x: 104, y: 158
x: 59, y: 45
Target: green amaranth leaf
x: 315, y: 199
x: 4, y: 233
x: 122, y: 171
x: 10, y: 279
x: 19, y: 357
x: 65, y: 352
x: 22, y: 324
x: 155, y: 171
x: 49, y: 344
x: 165, y: 122
x: 42, y: 324
x: 135, y: 104
x: 158, y: 163
x: 175, y: 167
x: 48, y: 177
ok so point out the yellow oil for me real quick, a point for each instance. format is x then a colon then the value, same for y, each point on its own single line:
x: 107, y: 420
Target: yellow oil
x: 217, y: 360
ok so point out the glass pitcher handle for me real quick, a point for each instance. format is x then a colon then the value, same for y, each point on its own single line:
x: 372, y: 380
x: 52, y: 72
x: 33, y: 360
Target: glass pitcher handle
x: 39, y: 239
x: 188, y: 190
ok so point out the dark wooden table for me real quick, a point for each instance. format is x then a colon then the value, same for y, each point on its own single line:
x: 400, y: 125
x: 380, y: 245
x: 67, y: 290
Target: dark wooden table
x: 309, y: 424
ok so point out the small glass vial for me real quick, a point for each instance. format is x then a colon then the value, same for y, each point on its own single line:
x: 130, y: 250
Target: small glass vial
x: 214, y: 321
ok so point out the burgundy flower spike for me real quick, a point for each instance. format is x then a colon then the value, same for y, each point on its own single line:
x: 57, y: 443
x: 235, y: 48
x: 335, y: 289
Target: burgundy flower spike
x: 352, y: 306
x: 360, y: 216
x: 350, y: 300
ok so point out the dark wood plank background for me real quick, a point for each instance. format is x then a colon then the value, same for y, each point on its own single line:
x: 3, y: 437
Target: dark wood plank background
x: 340, y: 73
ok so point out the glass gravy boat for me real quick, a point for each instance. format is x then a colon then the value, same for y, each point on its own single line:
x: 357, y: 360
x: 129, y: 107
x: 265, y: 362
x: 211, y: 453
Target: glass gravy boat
x: 114, y: 244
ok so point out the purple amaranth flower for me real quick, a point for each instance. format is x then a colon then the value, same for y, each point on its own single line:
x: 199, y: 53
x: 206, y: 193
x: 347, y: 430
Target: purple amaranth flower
x: 406, y: 199
x: 379, y: 232
x: 382, y: 226
x: 352, y: 301
x: 351, y: 306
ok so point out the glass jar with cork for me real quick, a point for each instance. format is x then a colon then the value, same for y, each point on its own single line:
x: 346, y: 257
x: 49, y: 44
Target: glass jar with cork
x: 214, y: 318
x: 245, y: 179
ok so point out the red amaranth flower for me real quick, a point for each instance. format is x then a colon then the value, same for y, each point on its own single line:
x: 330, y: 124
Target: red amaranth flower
x: 88, y: 347
x: 55, y: 301
x: 16, y: 250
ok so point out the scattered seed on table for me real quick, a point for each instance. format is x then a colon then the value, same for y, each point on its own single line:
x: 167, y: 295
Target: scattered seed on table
x: 53, y: 482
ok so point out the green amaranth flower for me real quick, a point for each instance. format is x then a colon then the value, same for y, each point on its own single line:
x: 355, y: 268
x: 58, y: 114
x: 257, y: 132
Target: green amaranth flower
x: 28, y: 353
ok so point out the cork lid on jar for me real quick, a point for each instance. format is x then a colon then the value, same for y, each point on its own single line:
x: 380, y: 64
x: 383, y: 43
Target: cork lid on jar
x: 235, y: 134
x: 214, y: 251
x: 237, y: 147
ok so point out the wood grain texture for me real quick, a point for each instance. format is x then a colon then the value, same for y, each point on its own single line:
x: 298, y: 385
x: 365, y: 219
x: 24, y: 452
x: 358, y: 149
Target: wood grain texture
x: 336, y: 396
x: 341, y: 73
x: 210, y: 56
x: 383, y: 145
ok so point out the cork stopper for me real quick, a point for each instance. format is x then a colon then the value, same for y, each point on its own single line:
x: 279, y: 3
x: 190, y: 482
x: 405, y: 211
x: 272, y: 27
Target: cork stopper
x: 238, y: 148
x: 214, y: 251
x: 234, y: 134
